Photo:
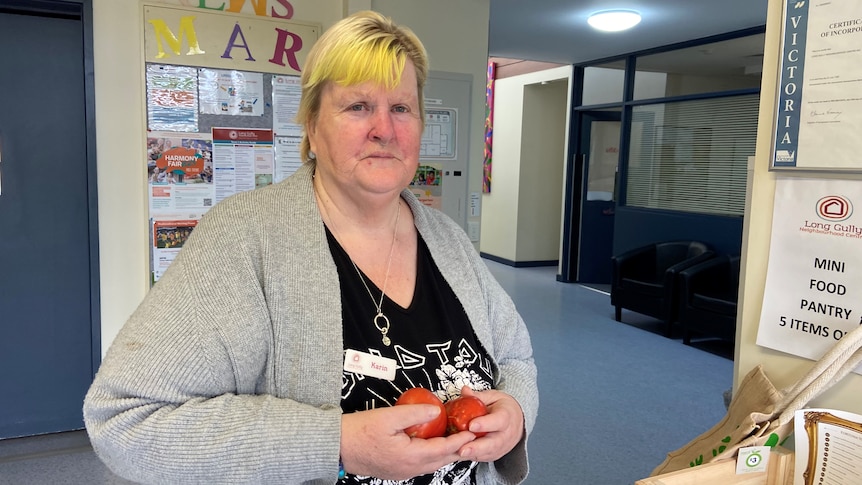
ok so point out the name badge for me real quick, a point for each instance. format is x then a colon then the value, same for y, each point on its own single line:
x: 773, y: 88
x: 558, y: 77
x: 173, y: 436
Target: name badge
x: 369, y: 365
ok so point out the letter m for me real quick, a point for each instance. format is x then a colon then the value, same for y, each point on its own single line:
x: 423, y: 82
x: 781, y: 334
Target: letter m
x: 187, y: 28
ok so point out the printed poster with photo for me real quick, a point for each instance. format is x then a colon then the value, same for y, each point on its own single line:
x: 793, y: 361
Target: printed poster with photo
x: 169, y: 234
x: 426, y: 185
x: 179, y: 172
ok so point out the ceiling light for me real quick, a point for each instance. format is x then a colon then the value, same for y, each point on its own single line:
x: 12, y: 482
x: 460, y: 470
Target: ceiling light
x: 614, y: 20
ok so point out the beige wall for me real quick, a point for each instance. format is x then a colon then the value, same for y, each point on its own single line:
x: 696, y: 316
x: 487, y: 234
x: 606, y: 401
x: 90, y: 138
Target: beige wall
x: 120, y: 119
x: 783, y: 369
x: 517, y: 223
x: 543, y: 154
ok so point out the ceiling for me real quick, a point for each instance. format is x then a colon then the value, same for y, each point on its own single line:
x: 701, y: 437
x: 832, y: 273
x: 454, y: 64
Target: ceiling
x: 556, y: 30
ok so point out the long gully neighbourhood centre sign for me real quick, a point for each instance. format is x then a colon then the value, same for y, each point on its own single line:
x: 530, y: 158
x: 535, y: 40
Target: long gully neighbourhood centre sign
x: 814, y: 280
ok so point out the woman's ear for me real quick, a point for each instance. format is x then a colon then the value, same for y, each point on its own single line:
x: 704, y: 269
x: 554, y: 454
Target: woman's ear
x: 311, y: 134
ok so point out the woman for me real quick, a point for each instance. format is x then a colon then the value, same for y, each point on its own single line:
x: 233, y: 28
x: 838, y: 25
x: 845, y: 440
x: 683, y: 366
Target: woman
x: 258, y: 355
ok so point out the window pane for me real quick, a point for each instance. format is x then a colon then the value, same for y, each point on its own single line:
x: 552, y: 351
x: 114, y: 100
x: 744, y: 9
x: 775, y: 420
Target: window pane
x: 604, y: 84
x: 720, y: 66
x: 692, y: 156
x: 603, y: 160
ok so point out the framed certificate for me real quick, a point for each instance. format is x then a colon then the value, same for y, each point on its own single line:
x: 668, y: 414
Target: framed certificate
x: 818, y: 114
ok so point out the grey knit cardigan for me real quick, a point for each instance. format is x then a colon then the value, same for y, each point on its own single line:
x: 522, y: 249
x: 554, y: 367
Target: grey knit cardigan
x: 230, y: 369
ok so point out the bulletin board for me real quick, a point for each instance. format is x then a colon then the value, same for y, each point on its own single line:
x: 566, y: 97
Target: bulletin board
x: 222, y: 92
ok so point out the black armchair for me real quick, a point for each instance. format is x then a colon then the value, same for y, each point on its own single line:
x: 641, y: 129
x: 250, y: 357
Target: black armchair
x: 644, y: 279
x: 708, y: 298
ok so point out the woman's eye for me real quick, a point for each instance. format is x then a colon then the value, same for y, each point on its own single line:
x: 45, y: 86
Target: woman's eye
x: 401, y: 109
x: 357, y: 107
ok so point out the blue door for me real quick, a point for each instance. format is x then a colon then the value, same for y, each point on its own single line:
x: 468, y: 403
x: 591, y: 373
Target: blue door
x: 48, y: 247
x: 599, y: 156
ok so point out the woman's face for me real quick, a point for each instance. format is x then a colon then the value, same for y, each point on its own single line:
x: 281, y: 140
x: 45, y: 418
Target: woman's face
x: 366, y: 137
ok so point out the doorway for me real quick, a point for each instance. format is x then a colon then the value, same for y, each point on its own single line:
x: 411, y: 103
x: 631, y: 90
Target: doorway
x: 599, y: 157
x: 49, y: 305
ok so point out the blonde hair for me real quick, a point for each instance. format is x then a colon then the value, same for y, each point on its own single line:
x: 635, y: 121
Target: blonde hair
x: 365, y: 46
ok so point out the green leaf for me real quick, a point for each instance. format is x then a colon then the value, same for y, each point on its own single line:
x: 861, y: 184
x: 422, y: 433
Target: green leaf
x: 772, y: 440
x: 726, y: 440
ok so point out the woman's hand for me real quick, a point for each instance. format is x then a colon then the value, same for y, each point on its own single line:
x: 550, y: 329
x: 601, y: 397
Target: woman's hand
x: 504, y: 424
x: 373, y: 443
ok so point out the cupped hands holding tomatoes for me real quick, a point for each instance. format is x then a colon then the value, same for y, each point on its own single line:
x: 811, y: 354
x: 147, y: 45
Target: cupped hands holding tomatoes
x: 455, y: 415
x: 463, y: 413
x: 377, y: 442
x: 374, y: 442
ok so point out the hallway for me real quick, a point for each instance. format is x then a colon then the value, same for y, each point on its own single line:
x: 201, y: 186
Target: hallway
x: 614, y: 398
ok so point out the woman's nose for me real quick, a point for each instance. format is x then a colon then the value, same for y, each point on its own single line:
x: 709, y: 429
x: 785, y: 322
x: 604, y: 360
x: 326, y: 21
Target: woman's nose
x: 382, y: 128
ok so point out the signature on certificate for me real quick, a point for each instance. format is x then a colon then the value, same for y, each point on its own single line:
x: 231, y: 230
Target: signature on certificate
x: 829, y: 114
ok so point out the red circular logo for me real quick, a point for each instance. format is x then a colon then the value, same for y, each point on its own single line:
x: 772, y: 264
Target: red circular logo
x: 834, y: 208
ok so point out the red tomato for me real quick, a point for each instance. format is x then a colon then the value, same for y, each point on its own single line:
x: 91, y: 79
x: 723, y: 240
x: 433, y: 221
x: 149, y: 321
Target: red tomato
x: 461, y: 411
x: 432, y: 429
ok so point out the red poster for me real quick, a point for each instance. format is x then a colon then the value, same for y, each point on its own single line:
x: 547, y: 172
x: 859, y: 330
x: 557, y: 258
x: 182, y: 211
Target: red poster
x: 188, y: 161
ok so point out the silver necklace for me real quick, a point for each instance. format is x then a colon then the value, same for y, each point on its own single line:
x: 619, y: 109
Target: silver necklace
x: 381, y: 321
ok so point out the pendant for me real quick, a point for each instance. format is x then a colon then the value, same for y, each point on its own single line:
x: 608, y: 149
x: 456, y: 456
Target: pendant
x: 384, y: 327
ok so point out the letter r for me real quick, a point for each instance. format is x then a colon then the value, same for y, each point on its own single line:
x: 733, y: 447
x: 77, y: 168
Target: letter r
x: 282, y: 50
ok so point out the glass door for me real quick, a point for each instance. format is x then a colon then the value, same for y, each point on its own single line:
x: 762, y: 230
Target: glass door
x: 599, y: 156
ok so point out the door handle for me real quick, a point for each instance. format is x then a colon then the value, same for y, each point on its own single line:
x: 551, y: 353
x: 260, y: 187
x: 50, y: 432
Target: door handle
x: 1, y: 162
x: 583, y: 157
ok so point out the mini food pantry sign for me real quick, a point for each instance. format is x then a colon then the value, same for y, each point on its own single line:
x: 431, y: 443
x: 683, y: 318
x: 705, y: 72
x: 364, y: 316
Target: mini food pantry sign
x: 813, y: 287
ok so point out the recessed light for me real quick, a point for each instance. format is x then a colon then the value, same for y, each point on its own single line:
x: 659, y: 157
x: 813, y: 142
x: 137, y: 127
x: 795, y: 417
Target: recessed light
x: 614, y: 20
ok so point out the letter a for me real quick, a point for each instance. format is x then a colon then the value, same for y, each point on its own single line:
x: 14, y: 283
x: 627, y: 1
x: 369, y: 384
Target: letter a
x: 237, y: 31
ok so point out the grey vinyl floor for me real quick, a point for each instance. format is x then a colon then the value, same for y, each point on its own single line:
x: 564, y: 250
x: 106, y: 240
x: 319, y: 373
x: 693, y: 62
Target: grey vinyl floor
x: 614, y: 397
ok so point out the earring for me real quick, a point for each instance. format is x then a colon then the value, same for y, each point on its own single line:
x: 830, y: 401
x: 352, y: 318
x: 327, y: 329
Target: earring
x: 311, y: 155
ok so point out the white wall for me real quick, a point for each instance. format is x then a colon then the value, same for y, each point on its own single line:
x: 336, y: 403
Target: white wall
x: 783, y: 369
x: 502, y: 211
x: 543, y: 153
x: 500, y: 207
x: 121, y: 121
